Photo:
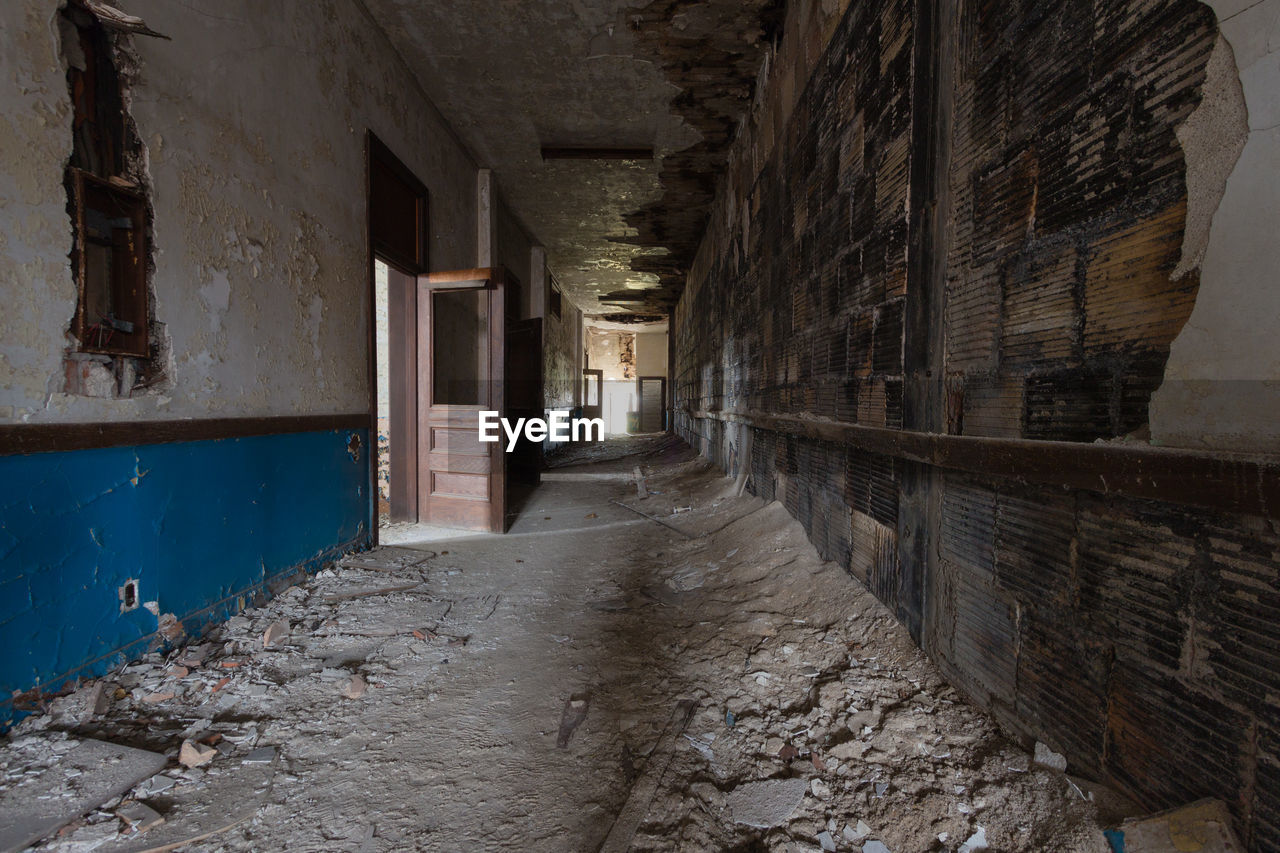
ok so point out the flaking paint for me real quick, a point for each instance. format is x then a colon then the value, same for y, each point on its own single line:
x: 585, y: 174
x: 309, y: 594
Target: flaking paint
x: 203, y: 526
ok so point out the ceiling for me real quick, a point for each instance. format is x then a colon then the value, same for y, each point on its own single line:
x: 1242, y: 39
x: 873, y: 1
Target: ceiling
x: 512, y: 76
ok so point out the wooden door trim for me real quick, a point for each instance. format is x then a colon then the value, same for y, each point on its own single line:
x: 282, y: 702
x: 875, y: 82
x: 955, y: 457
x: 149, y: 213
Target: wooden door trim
x: 376, y: 247
x: 598, y: 408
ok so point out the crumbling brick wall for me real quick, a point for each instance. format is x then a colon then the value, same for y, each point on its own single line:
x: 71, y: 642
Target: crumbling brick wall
x: 1141, y: 638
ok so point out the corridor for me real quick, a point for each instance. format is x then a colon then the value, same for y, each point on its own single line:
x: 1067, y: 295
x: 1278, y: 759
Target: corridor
x: 615, y: 425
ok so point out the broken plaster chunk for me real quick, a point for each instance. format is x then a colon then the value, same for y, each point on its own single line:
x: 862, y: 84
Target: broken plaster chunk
x: 1046, y: 757
x: 875, y: 847
x: 84, y: 704
x: 155, y: 786
x: 275, y: 632
x: 88, y: 837
x: 170, y: 628
x: 856, y: 834
x: 826, y: 841
x: 1202, y: 825
x: 139, y: 816
x: 820, y: 789
x: 195, y: 754
x: 354, y: 687
x: 767, y: 803
x: 261, y: 755
x: 975, y: 842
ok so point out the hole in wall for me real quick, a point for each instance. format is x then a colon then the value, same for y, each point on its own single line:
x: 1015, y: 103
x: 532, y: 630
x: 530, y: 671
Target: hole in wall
x: 114, y: 341
x: 129, y: 596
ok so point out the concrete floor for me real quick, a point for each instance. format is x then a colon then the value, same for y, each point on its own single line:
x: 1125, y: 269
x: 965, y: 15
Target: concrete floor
x: 592, y: 678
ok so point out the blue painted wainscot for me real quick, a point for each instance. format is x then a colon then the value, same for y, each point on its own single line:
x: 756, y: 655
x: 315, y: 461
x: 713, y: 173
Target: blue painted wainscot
x: 205, y: 527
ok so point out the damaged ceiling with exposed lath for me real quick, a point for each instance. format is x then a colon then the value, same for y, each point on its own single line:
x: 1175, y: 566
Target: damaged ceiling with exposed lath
x: 671, y: 75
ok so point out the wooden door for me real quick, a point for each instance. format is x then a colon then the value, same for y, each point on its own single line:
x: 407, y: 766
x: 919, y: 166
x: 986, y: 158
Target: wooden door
x: 523, y: 395
x: 651, y: 392
x: 592, y: 393
x: 462, y: 480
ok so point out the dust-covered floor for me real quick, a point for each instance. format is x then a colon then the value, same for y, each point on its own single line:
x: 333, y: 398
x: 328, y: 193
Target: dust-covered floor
x: 592, y: 678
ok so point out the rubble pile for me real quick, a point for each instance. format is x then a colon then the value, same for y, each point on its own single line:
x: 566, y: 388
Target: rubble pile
x: 820, y: 725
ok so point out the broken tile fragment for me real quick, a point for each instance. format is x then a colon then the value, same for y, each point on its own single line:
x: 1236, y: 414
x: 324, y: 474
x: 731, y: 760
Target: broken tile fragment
x: 194, y: 754
x: 261, y: 755
x: 275, y: 632
x: 139, y: 817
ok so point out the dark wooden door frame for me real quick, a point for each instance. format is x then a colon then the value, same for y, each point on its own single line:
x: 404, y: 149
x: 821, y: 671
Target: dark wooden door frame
x: 405, y: 251
x: 525, y: 395
x: 596, y: 411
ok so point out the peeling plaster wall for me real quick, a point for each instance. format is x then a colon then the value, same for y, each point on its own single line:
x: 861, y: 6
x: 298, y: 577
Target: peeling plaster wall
x: 515, y: 252
x: 205, y: 527
x: 253, y: 118
x: 606, y: 351
x: 562, y: 357
x: 1222, y: 384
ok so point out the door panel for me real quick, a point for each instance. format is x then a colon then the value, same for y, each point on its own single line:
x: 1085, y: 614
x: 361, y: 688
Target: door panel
x: 651, y: 391
x: 461, y: 338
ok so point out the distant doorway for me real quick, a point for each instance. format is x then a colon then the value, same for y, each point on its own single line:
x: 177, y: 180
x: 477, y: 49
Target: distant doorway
x: 651, y: 398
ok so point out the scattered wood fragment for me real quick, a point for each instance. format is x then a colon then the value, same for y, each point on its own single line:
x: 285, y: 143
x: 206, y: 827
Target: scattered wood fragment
x: 657, y: 520
x: 642, y: 793
x: 369, y: 593
x: 194, y: 839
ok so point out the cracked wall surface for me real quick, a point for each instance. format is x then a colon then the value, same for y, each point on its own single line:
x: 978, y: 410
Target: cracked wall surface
x: 1221, y: 388
x: 253, y: 122
x: 562, y: 357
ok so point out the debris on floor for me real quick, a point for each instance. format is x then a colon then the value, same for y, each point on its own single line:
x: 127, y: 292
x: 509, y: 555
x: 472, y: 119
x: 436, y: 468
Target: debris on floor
x: 805, y: 718
x: 575, y: 711
x: 768, y: 803
x: 1202, y: 827
x: 51, y: 779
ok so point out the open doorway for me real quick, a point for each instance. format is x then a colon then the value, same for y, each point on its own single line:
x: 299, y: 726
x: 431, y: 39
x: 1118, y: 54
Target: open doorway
x: 630, y: 361
x: 397, y: 214
x: 396, y: 408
